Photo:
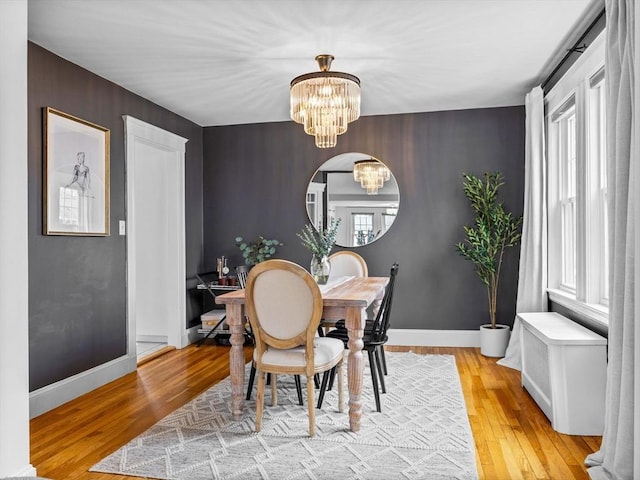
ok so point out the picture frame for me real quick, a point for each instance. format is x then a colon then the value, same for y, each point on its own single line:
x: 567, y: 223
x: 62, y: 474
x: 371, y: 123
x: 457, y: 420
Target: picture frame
x: 76, y: 176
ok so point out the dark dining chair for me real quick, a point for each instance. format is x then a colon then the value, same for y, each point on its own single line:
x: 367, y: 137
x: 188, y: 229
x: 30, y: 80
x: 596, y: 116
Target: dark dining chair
x: 374, y: 338
x: 241, y: 274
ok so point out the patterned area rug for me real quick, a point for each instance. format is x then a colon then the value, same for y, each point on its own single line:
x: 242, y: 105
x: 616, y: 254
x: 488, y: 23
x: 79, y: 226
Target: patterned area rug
x: 422, y: 433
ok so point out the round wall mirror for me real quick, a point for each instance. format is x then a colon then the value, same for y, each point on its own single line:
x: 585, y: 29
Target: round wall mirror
x: 361, y: 191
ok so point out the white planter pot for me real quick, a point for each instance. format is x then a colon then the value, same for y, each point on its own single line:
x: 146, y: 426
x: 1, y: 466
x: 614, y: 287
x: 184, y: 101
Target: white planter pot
x: 494, y: 341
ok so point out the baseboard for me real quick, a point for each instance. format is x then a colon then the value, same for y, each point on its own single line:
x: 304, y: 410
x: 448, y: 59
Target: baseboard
x: 27, y: 471
x: 156, y: 354
x: 190, y: 335
x: 54, y: 395
x: 151, y: 338
x: 434, y: 338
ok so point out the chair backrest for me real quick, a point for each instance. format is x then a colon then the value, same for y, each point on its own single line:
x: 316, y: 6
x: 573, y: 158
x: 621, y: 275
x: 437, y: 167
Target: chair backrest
x: 347, y: 263
x: 241, y: 273
x: 284, y: 304
x: 383, y: 317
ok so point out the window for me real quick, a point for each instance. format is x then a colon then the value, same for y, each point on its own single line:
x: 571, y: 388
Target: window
x: 597, y: 154
x: 578, y: 246
x: 362, y: 228
x: 388, y: 218
x: 565, y: 125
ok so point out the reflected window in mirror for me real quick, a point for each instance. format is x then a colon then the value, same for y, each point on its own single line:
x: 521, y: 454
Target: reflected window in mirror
x: 389, y: 217
x: 362, y: 225
x: 334, y: 193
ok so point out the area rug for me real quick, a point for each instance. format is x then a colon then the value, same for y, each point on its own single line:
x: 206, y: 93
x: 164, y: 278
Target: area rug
x: 422, y: 433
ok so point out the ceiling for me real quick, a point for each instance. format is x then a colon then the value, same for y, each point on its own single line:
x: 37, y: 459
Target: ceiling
x: 227, y: 62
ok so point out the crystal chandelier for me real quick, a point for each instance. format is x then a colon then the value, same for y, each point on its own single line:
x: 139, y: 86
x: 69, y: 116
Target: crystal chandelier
x: 371, y: 174
x: 325, y: 102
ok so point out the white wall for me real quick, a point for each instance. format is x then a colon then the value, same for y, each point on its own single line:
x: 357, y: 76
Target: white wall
x: 14, y: 320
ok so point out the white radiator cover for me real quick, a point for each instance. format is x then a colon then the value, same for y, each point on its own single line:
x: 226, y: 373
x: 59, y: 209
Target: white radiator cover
x: 564, y: 369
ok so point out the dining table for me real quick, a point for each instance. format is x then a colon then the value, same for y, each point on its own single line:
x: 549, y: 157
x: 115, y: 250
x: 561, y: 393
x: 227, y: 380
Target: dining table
x: 342, y: 298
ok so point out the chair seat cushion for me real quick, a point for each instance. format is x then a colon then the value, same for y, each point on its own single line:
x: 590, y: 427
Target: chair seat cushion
x: 326, y: 351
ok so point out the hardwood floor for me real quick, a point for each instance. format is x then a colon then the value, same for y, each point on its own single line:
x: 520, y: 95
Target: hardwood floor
x: 514, y: 440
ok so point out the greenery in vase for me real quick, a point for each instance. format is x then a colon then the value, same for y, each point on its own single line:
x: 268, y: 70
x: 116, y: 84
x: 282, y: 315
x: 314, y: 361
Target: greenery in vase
x: 319, y: 243
x: 495, y: 229
x: 257, y: 251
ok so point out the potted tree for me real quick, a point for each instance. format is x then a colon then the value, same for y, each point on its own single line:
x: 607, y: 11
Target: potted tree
x: 494, y: 231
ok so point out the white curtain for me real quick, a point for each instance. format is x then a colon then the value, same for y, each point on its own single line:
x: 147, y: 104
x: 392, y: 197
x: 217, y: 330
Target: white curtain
x: 532, y: 277
x: 615, y: 459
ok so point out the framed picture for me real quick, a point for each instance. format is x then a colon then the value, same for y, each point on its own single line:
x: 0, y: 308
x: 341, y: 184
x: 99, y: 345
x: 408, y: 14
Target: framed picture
x: 76, y: 176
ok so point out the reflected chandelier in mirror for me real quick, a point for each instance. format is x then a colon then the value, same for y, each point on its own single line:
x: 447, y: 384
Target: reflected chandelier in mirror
x: 367, y: 206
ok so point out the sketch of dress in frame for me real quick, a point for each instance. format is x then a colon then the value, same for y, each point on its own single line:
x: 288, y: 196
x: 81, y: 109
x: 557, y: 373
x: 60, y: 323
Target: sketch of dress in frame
x: 81, y: 174
x: 76, y: 197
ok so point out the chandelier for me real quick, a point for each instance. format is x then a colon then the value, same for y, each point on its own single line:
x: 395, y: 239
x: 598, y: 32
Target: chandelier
x: 371, y: 174
x: 325, y: 102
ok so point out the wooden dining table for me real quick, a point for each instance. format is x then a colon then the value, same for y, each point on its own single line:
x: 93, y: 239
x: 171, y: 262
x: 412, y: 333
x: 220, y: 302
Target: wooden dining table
x: 346, y: 298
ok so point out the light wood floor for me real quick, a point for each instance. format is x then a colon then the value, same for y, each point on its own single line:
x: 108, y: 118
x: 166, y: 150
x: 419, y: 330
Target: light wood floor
x: 513, y: 437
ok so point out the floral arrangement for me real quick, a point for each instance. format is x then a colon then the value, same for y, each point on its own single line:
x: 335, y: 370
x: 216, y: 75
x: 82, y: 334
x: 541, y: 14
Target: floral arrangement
x: 319, y: 243
x: 257, y: 251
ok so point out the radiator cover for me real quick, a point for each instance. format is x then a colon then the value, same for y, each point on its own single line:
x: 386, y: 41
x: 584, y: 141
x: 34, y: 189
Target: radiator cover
x: 564, y: 370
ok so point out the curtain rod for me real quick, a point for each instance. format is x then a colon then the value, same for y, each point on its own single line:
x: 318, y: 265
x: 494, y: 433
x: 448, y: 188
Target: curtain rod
x: 576, y: 48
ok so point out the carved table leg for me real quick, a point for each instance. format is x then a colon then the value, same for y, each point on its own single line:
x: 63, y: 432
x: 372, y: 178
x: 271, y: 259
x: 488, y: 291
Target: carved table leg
x: 354, y: 322
x: 236, y: 359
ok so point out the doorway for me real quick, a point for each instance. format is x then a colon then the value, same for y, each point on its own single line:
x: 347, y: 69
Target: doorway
x: 155, y: 236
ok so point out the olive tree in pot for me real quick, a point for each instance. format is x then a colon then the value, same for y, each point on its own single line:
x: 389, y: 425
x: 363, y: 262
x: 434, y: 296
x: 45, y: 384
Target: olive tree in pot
x: 495, y: 230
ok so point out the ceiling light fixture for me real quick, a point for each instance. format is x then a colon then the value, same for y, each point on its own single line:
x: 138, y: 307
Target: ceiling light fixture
x: 325, y: 102
x: 371, y: 174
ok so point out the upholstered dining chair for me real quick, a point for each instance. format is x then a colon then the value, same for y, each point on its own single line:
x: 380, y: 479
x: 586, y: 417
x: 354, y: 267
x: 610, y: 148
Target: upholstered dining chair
x: 344, y: 263
x: 285, y: 304
x: 347, y: 263
x: 374, y: 339
x: 241, y: 272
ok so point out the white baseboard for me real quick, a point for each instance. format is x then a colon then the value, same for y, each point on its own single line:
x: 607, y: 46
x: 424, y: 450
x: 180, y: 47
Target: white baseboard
x: 151, y: 338
x: 54, y: 395
x: 27, y: 471
x: 434, y: 338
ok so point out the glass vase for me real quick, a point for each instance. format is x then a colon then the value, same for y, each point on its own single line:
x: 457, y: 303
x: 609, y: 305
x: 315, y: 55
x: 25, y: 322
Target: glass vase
x: 320, y: 269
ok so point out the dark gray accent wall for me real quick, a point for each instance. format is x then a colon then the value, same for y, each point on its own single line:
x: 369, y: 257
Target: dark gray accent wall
x: 77, y: 285
x: 255, y: 179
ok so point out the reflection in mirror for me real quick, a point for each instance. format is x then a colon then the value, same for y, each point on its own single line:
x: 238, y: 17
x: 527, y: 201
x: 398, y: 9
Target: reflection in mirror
x: 366, y: 200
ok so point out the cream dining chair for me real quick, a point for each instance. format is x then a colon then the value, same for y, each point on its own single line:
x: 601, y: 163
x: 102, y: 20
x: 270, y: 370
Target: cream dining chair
x: 241, y: 272
x: 347, y: 263
x: 285, y: 304
x: 344, y: 263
